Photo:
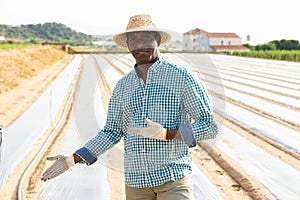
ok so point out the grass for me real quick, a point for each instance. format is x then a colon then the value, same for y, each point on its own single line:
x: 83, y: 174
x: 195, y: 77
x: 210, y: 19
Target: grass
x: 16, y: 45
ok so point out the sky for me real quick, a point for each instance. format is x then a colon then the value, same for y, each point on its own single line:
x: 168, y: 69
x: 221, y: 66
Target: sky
x: 263, y: 20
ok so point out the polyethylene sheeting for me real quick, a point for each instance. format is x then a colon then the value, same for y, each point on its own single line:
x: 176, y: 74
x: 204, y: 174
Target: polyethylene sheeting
x: 79, y: 182
x: 203, y: 188
x: 269, y: 128
x: 24, y: 132
x: 279, y: 178
x: 89, y: 115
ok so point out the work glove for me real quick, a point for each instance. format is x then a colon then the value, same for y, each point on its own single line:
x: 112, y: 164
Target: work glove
x: 154, y: 130
x: 62, y: 163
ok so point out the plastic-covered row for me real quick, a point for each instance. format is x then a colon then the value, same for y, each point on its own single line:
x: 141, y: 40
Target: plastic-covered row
x: 20, y: 137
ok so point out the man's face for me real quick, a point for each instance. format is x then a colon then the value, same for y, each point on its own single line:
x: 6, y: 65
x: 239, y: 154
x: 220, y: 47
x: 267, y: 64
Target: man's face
x: 143, y: 46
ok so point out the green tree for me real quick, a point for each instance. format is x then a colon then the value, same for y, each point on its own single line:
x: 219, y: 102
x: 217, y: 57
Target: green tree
x: 287, y: 44
x: 266, y: 46
x: 47, y: 32
x: 248, y: 38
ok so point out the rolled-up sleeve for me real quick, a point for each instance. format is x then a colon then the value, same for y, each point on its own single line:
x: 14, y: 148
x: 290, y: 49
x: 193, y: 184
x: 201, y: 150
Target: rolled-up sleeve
x: 197, y: 105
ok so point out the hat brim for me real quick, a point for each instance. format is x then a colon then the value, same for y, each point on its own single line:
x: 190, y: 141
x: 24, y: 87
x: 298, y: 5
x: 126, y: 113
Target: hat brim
x: 120, y: 39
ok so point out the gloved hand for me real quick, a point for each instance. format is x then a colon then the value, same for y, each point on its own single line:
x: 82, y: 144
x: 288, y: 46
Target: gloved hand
x: 154, y: 130
x: 62, y: 163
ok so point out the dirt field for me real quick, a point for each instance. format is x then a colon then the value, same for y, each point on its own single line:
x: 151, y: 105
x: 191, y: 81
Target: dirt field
x: 26, y: 73
x: 19, y: 90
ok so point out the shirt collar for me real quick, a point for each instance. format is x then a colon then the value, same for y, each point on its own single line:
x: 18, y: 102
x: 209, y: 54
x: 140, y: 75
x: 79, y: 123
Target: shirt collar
x: 155, y: 66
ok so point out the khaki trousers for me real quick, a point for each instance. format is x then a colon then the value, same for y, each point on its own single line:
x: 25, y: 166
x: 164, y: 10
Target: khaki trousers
x: 181, y: 189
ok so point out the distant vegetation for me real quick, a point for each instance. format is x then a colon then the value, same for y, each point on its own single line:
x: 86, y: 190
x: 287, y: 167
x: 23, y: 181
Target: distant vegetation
x: 11, y: 44
x: 47, y: 32
x: 276, y: 45
x: 288, y: 50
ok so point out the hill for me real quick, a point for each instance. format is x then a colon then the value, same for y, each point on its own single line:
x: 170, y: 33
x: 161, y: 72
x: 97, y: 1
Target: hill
x: 47, y: 32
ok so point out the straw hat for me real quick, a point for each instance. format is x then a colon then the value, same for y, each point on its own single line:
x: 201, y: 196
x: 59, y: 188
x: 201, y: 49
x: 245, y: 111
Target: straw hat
x: 141, y: 22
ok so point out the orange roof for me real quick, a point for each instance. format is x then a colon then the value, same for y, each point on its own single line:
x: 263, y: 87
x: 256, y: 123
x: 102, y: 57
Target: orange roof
x: 198, y: 31
x: 230, y: 48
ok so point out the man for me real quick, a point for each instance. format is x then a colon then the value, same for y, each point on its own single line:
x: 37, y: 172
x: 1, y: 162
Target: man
x: 160, y: 110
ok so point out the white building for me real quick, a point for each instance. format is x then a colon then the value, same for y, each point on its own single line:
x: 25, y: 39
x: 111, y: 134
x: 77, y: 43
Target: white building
x: 2, y: 38
x: 198, y: 40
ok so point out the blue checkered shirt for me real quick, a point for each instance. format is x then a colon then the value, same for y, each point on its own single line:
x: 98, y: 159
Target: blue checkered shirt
x: 171, y: 97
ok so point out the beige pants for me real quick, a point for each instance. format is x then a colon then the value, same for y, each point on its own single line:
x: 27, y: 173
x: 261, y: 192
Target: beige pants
x: 181, y: 189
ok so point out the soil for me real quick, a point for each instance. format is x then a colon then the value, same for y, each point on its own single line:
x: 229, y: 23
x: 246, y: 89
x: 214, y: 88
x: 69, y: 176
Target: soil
x: 19, y: 92
x: 17, y: 95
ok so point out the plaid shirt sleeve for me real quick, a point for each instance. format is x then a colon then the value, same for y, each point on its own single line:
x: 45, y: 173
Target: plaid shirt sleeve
x: 198, y: 106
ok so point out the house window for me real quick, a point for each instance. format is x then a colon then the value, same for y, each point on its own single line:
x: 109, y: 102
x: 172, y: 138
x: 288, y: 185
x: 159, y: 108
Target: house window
x: 194, y: 40
x: 229, y: 43
x: 222, y: 42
